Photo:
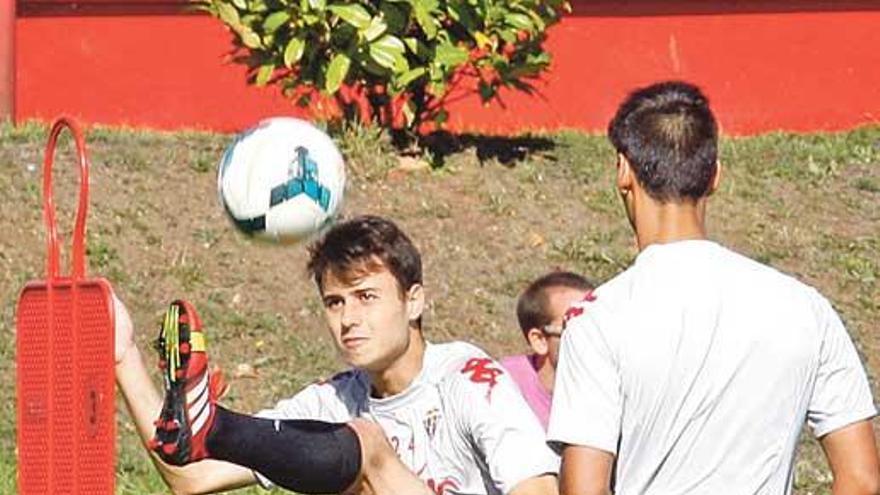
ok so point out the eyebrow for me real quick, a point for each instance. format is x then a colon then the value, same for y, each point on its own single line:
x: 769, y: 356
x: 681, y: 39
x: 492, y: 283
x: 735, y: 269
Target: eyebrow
x: 366, y: 289
x: 359, y: 290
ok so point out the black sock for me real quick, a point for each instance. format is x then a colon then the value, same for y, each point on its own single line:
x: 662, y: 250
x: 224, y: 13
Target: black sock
x: 301, y: 455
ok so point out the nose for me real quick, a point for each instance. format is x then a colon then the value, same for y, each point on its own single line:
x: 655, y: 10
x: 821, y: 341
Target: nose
x: 351, y: 316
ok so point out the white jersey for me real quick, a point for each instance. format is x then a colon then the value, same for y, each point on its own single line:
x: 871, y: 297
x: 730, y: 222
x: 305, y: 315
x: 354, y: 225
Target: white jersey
x: 697, y: 367
x: 461, y: 425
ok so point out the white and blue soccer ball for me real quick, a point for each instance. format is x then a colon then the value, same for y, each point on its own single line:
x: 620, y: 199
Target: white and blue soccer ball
x: 282, y: 180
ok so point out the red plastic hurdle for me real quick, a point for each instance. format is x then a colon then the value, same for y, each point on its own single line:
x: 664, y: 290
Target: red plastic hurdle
x: 65, y: 379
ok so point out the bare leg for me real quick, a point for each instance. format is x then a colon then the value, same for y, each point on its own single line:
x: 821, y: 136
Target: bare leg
x: 382, y: 472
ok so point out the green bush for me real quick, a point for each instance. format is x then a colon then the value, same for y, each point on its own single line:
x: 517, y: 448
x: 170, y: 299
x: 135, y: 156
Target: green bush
x: 395, y: 62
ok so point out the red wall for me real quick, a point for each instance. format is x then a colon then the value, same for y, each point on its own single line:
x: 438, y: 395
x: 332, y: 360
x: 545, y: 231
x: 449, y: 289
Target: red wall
x: 788, y: 64
x: 7, y: 58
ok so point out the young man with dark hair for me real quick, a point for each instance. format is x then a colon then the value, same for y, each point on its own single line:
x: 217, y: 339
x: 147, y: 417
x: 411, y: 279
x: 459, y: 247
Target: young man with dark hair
x: 449, y: 412
x: 540, y: 310
x: 694, y: 370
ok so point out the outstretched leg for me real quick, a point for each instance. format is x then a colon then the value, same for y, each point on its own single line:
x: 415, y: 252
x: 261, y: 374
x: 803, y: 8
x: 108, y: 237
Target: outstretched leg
x: 301, y: 455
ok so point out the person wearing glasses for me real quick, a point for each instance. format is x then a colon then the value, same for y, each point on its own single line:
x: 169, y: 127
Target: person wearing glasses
x: 540, y: 310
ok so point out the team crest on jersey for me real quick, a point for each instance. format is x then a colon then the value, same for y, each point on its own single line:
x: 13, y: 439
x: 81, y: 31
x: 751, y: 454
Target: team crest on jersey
x: 430, y: 422
x: 482, y: 370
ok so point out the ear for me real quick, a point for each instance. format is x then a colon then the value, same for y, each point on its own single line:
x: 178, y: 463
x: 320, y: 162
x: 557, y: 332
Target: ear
x: 415, y: 302
x: 716, y: 179
x: 625, y: 174
x: 537, y: 341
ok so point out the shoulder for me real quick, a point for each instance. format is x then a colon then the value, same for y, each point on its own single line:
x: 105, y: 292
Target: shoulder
x: 599, y: 322
x: 445, y: 360
x: 462, y: 368
x: 352, y: 384
x: 470, y: 372
x: 763, y: 282
x: 335, y: 399
x: 599, y: 304
x: 608, y: 297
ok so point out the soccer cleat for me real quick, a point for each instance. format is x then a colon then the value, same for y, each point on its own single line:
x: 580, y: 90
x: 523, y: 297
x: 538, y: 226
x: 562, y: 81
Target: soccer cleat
x: 191, y: 391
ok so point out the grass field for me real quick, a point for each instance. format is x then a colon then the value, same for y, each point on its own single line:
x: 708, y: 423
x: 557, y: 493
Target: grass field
x: 497, y: 213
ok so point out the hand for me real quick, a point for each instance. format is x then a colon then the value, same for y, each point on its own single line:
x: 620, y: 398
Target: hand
x: 124, y: 330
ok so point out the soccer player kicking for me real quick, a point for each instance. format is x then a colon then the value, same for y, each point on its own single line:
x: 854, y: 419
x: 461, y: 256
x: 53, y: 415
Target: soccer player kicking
x: 696, y: 368
x: 448, y: 411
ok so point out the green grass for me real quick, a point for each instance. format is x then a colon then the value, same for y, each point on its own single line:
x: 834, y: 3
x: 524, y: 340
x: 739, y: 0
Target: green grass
x: 490, y: 215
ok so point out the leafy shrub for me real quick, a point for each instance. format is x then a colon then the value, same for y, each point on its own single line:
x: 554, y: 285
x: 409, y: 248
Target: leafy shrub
x: 396, y: 62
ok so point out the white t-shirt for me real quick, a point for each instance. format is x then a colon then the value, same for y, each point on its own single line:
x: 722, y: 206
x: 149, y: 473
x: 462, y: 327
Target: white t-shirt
x: 461, y: 425
x: 697, y: 367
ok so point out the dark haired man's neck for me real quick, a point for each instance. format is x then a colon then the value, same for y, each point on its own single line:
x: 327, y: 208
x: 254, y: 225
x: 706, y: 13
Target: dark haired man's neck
x: 398, y: 375
x: 665, y: 222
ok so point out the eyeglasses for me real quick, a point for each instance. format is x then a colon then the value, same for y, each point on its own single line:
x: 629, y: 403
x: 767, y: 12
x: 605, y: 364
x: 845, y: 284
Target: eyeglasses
x: 552, y: 330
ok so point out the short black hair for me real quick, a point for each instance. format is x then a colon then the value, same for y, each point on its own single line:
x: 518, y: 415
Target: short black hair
x: 532, y: 308
x: 364, y: 244
x: 669, y: 135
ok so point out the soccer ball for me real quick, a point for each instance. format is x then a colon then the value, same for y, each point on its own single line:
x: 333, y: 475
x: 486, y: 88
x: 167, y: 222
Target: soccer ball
x: 282, y: 180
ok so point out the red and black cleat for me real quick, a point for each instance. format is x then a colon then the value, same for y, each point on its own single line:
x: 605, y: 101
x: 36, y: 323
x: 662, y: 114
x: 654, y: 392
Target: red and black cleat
x: 191, y: 391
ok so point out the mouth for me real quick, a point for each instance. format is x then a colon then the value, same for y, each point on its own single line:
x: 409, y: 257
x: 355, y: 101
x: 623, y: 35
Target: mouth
x: 352, y: 343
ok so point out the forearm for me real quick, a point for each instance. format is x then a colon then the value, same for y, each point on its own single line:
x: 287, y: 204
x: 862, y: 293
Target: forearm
x: 140, y: 394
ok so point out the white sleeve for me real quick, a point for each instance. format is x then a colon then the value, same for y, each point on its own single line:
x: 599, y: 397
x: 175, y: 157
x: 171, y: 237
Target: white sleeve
x: 503, y: 429
x: 587, y: 404
x: 304, y: 405
x: 841, y: 395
